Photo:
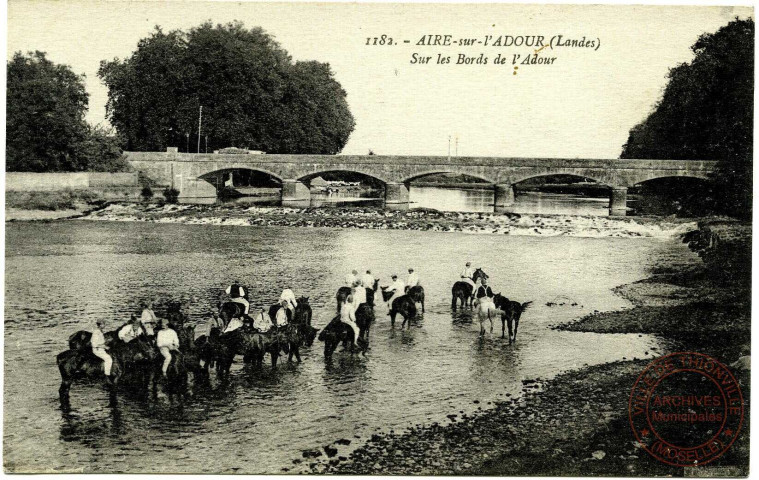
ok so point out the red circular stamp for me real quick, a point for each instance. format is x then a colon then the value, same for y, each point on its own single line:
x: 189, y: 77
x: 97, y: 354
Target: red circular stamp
x: 686, y: 409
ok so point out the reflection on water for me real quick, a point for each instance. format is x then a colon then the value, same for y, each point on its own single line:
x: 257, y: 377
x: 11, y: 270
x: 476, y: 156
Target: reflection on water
x: 555, y: 203
x: 481, y: 200
x: 263, y: 419
x: 445, y: 199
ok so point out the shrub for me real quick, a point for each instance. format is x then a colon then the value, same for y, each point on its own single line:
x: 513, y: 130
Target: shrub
x: 147, y: 192
x: 171, y: 195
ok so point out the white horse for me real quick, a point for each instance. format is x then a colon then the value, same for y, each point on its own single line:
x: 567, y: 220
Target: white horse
x: 486, y: 310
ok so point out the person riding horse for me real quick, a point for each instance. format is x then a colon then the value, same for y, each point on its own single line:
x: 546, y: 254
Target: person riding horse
x: 287, y: 300
x: 484, y: 293
x: 148, y: 318
x: 367, y: 279
x: 412, y: 280
x: 351, y: 278
x: 348, y: 317
x: 130, y: 331
x: 358, y: 292
x: 99, y: 348
x: 467, y: 275
x: 166, y: 341
x: 237, y: 294
x: 398, y: 288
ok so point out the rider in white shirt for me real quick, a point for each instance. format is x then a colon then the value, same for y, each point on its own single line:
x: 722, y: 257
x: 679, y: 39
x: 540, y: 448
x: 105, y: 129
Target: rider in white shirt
x: 99, y: 349
x: 167, y: 341
x: 148, y: 318
x: 467, y: 275
x: 289, y: 297
x: 130, y: 331
x: 413, y: 278
x: 398, y: 289
x: 358, y: 293
x: 348, y: 317
x: 368, y: 279
x: 351, y: 278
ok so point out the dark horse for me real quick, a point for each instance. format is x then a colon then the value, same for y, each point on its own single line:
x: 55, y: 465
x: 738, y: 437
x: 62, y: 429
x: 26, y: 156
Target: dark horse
x: 512, y: 312
x: 248, y: 342
x: 370, y: 293
x: 299, y: 332
x: 336, y: 332
x: 463, y: 291
x: 135, y: 357
x: 404, y: 305
x: 230, y: 310
x: 417, y: 294
x: 341, y: 296
x: 176, y: 380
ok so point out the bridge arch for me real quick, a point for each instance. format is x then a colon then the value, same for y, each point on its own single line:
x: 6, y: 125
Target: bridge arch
x: 310, y: 176
x: 214, y: 173
x: 568, y: 173
x: 659, y: 176
x: 421, y: 175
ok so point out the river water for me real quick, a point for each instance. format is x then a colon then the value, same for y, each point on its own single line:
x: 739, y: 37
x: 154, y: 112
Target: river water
x: 447, y: 199
x: 61, y: 276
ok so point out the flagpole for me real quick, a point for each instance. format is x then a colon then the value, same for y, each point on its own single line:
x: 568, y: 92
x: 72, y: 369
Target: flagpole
x: 200, y: 124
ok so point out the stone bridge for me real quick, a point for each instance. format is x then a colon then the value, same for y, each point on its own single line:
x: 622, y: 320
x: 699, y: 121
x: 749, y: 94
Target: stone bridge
x: 189, y: 173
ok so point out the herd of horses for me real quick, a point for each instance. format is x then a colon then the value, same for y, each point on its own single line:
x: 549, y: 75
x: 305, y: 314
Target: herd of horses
x: 138, y: 362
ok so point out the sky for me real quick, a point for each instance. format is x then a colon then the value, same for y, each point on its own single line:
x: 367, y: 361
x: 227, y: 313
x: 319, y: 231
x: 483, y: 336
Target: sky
x: 582, y: 105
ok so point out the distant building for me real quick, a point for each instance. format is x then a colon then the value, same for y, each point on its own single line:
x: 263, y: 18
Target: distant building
x: 319, y: 182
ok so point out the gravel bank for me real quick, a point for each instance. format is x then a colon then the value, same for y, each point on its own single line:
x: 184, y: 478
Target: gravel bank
x: 418, y: 219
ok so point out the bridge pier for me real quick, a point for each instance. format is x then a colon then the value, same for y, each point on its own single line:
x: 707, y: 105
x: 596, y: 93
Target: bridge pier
x: 295, y: 194
x: 396, y: 196
x: 618, y: 201
x: 503, y: 197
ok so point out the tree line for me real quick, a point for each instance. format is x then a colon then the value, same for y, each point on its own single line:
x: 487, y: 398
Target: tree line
x: 253, y: 96
x: 706, y: 112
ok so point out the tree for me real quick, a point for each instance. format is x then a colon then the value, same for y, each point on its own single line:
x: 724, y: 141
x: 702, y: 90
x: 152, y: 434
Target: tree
x: 706, y: 113
x: 45, y: 126
x: 253, y: 95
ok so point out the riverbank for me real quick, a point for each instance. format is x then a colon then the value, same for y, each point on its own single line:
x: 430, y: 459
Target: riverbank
x: 61, y: 204
x: 378, y: 218
x: 577, y: 423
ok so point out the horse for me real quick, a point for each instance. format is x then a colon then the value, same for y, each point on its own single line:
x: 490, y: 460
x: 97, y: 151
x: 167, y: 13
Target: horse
x: 463, y: 290
x: 176, y: 375
x: 512, y: 312
x: 221, y: 348
x: 303, y: 314
x: 300, y: 332
x: 371, y: 291
x: 336, y: 332
x: 404, y: 305
x: 81, y: 363
x: 230, y: 310
x: 341, y: 296
x: 364, y: 320
x: 256, y: 345
x: 486, y: 311
x: 417, y: 294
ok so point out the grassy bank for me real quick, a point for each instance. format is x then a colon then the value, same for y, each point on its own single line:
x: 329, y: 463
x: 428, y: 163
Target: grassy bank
x: 577, y: 423
x: 54, y: 205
